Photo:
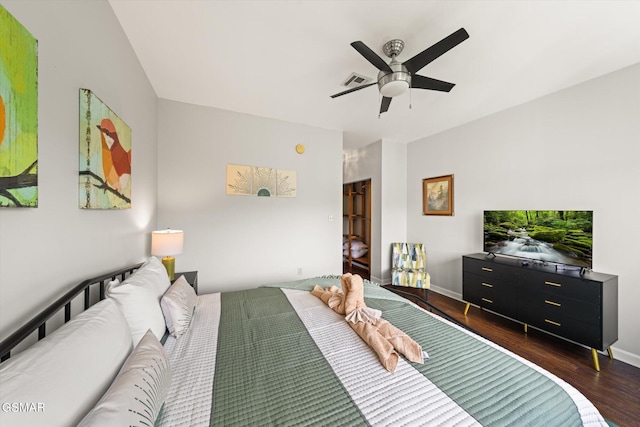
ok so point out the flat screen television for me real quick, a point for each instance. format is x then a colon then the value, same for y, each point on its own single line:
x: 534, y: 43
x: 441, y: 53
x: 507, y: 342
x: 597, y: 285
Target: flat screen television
x: 559, y: 237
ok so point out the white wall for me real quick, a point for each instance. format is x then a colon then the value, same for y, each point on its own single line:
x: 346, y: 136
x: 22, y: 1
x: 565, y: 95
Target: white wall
x: 575, y: 149
x: 238, y: 242
x: 44, y: 251
x: 394, y: 199
x: 385, y: 163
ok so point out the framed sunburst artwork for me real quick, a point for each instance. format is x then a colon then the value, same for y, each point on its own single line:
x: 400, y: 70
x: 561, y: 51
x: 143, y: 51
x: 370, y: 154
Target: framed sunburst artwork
x: 239, y: 180
x: 263, y: 182
x: 285, y: 183
x: 260, y: 181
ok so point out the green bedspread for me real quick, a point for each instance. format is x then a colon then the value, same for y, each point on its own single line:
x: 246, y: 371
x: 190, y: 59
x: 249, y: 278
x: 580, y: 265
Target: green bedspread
x: 489, y: 384
x: 269, y: 370
x: 272, y: 365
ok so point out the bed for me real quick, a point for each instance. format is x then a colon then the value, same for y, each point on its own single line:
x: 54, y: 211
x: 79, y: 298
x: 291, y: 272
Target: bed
x: 277, y: 355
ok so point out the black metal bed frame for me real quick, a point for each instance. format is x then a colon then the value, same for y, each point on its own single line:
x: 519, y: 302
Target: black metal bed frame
x: 39, y: 322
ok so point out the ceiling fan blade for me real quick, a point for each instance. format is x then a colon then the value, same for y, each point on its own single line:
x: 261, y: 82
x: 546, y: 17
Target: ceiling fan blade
x: 416, y: 63
x: 384, y: 106
x: 371, y: 56
x: 352, y: 90
x: 422, y: 82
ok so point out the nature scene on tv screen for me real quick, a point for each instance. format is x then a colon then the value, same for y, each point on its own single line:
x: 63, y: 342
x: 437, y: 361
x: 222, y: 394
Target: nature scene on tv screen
x: 564, y: 237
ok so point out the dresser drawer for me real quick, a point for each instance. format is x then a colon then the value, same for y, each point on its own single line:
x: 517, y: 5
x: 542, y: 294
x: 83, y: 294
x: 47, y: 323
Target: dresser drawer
x: 532, y: 306
x: 538, y: 282
x: 489, y: 283
x: 571, y: 329
x: 495, y: 296
x: 491, y: 270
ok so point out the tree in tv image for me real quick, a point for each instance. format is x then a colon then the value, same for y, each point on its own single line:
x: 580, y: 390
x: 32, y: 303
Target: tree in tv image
x: 563, y: 237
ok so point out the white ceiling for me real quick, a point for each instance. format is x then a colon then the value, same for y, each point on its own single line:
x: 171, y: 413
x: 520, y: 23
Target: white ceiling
x: 283, y: 59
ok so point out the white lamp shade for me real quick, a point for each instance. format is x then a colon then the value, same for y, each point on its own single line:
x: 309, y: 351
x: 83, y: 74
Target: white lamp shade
x: 167, y: 242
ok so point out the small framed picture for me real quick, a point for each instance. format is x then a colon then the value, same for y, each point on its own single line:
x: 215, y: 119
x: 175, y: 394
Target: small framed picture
x: 437, y: 195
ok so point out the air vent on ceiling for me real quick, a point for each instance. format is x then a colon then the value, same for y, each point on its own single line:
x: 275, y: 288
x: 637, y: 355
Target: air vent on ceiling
x: 355, y: 80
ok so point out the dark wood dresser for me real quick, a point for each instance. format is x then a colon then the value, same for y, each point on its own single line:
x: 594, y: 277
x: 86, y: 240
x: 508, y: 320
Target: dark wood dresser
x: 582, y: 308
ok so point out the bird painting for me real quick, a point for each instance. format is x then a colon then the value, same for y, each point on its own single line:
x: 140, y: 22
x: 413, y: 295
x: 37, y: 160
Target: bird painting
x: 116, y: 161
x: 105, y: 156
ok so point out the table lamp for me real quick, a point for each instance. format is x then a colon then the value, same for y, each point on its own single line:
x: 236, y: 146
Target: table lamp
x: 166, y: 243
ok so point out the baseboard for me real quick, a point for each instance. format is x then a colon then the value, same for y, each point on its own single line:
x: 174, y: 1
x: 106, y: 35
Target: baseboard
x: 446, y: 292
x: 621, y: 355
x: 380, y: 281
x: 626, y: 357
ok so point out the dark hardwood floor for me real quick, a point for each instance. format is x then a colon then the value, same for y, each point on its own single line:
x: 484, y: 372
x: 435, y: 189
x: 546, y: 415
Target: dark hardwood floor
x: 615, y: 390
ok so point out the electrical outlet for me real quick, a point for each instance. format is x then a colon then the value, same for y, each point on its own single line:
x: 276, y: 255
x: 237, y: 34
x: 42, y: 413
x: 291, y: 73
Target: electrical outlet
x: 299, y: 271
x: 332, y: 218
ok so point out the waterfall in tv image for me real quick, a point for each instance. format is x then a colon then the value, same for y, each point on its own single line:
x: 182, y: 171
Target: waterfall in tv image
x: 561, y: 237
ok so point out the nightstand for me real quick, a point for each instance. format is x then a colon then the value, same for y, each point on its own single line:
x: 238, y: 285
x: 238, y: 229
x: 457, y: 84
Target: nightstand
x: 192, y: 278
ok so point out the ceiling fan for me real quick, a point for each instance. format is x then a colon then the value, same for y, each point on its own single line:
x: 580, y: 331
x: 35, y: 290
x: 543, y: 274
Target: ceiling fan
x: 396, y: 77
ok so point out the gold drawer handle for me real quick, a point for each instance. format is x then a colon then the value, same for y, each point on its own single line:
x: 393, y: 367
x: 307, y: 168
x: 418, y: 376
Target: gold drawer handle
x: 553, y: 284
x: 486, y: 269
x: 557, y: 304
x: 487, y: 300
x: 552, y: 322
x: 487, y: 285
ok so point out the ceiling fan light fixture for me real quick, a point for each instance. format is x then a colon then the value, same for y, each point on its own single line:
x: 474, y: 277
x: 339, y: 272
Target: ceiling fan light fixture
x: 395, y: 83
x: 394, y: 88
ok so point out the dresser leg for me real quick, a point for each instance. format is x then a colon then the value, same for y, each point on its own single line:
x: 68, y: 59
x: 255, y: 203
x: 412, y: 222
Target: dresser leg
x: 525, y: 328
x: 596, y: 363
x: 610, y: 353
x: 466, y: 309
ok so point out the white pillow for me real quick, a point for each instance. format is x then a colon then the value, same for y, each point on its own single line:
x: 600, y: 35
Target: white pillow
x: 356, y: 252
x: 178, y: 305
x: 151, y: 275
x: 358, y: 244
x: 140, y: 308
x: 138, y: 392
x: 66, y: 373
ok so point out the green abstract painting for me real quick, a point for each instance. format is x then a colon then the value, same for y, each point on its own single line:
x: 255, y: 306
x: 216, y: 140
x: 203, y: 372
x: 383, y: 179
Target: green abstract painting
x: 105, y: 156
x: 18, y: 114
